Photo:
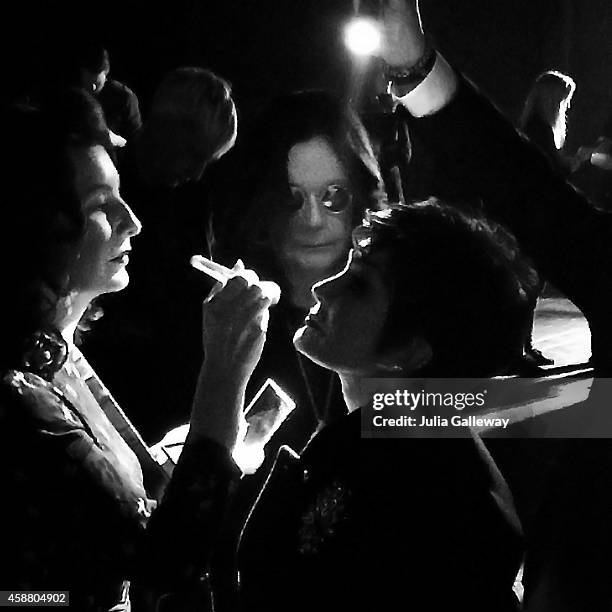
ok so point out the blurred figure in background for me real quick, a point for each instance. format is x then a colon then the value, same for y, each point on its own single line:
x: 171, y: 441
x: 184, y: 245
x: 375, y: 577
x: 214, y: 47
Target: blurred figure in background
x: 544, y: 117
x: 192, y: 123
x: 594, y: 177
x: 544, y: 122
x: 118, y: 101
x: 289, y: 197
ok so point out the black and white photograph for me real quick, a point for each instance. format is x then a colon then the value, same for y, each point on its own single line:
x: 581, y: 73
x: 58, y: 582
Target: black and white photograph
x: 307, y: 306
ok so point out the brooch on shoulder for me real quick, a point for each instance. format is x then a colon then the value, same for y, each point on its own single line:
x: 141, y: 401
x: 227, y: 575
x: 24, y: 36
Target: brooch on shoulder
x: 44, y: 353
x: 321, y: 520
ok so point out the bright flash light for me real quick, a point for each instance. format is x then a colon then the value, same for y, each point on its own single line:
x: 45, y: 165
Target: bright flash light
x: 362, y: 36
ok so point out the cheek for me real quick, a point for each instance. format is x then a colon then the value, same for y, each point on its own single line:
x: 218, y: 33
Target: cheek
x: 98, y: 234
x: 98, y: 228
x: 341, y: 225
x: 365, y: 322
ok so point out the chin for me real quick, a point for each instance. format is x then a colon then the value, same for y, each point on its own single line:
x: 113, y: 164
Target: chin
x: 118, y: 283
x: 298, y: 338
x: 310, y: 343
x: 306, y: 341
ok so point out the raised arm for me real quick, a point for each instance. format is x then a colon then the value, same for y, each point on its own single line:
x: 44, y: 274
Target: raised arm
x: 186, y: 524
x: 476, y: 152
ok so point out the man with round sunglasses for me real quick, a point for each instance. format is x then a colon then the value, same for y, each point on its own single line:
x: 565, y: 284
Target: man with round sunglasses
x: 335, y: 198
x: 306, y: 174
x: 288, y: 199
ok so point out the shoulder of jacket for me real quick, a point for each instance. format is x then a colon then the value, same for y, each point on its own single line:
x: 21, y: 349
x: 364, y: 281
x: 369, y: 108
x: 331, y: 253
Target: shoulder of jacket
x: 31, y: 395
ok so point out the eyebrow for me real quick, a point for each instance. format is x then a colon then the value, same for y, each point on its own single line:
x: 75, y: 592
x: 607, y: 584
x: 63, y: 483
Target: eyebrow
x: 97, y: 188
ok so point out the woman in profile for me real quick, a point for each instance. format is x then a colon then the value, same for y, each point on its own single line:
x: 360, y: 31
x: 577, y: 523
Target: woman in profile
x: 80, y: 488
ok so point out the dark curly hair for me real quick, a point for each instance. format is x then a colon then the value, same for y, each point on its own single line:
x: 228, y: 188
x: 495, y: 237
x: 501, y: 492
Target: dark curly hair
x: 41, y: 212
x: 458, y: 280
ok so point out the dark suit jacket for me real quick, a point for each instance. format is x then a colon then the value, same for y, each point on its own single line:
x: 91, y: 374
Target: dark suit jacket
x: 360, y: 524
x: 473, y: 151
x: 75, y: 514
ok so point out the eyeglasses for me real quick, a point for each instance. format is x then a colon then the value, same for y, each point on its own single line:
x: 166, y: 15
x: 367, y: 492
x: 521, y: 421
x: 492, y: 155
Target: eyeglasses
x: 335, y: 198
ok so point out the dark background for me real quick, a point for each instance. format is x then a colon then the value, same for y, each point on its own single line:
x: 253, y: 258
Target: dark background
x: 267, y: 46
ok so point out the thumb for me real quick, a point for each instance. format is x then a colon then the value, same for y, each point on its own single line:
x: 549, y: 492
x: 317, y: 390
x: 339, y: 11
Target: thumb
x: 238, y: 266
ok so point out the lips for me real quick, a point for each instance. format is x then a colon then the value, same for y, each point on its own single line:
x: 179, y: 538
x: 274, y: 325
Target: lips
x: 318, y: 245
x: 122, y: 258
x: 311, y: 321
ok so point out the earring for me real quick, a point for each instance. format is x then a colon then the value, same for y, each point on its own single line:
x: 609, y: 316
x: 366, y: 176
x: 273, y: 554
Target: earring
x: 391, y: 368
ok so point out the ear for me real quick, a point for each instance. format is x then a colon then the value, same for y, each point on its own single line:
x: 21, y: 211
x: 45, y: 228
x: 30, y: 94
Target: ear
x: 407, y: 359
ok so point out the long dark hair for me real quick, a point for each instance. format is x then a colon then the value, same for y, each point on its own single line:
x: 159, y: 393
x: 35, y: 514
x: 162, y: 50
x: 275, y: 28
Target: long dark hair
x: 548, y: 101
x: 252, y: 181
x: 41, y: 212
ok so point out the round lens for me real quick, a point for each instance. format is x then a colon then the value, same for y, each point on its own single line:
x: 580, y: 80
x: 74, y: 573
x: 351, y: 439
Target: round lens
x: 336, y: 198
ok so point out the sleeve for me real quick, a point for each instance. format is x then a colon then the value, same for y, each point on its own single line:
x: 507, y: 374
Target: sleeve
x: 63, y: 477
x: 64, y: 481
x: 476, y: 152
x: 434, y: 92
x: 182, y: 533
x: 133, y: 119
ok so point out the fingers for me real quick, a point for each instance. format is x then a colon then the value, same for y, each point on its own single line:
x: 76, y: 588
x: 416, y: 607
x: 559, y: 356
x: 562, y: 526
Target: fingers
x: 271, y: 290
x: 237, y: 303
x: 258, y: 312
x: 242, y: 280
x: 239, y: 286
x: 238, y: 266
x: 211, y: 294
x: 235, y: 285
x: 250, y: 276
x: 241, y: 304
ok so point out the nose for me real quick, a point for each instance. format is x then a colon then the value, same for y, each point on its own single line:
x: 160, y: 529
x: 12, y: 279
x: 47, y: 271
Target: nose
x: 130, y: 224
x: 318, y: 289
x: 328, y: 286
x: 322, y: 290
x: 311, y: 213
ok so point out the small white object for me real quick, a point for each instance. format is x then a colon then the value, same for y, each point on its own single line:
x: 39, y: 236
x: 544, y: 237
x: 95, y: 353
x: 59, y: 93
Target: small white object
x: 362, y: 36
x: 222, y: 274
x: 116, y: 140
x: 262, y: 417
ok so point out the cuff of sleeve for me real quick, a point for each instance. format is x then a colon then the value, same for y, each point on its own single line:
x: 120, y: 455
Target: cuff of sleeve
x: 202, y: 461
x: 434, y: 92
